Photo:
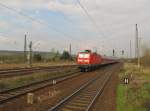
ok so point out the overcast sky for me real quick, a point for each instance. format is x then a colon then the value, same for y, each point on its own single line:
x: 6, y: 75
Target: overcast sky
x: 57, y: 23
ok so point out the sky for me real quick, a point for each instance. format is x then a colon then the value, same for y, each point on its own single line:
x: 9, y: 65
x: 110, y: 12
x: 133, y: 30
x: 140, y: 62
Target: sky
x: 110, y: 24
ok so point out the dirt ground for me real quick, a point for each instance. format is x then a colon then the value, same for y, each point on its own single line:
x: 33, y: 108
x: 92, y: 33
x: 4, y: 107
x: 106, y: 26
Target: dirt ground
x: 107, y: 101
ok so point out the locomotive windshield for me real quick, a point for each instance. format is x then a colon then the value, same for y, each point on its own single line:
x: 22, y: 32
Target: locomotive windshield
x: 83, y: 55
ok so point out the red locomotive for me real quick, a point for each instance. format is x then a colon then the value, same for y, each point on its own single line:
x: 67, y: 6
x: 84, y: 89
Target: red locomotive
x: 88, y: 60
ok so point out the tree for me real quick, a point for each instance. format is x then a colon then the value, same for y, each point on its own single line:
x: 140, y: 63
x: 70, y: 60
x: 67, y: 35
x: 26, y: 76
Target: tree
x: 55, y: 56
x: 37, y: 57
x: 65, y: 55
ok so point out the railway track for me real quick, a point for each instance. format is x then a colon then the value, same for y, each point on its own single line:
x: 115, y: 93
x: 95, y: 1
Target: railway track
x: 10, y: 94
x: 24, y: 71
x: 84, y: 98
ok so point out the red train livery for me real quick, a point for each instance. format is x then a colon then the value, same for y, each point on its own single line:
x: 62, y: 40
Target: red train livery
x: 88, y: 60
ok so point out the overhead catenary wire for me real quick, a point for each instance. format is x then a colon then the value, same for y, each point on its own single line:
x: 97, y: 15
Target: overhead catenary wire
x: 90, y: 17
x: 44, y: 23
x: 67, y: 36
x: 35, y: 20
x: 16, y: 42
x: 92, y: 20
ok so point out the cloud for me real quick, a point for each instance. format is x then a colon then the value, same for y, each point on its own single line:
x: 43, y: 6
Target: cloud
x: 40, y: 44
x: 6, y: 40
x: 26, y: 4
x: 115, y: 19
x: 4, y: 24
x: 69, y: 8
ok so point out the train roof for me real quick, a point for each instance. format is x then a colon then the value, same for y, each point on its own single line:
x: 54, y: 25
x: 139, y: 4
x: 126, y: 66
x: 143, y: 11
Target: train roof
x: 86, y: 51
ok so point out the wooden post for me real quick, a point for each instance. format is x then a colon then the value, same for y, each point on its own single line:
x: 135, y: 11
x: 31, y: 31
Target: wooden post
x: 30, y: 98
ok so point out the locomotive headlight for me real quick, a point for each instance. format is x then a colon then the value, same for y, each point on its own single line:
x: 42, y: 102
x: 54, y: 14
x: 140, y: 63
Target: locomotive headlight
x: 86, y: 60
x: 80, y: 60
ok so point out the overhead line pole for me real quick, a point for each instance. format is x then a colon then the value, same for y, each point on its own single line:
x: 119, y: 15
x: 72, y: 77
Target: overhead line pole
x: 130, y: 49
x: 136, y: 41
x: 70, y: 49
x: 25, y: 48
x: 137, y: 51
x: 30, y: 54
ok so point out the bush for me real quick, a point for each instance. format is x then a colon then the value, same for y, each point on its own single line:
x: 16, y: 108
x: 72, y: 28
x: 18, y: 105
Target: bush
x: 37, y: 57
x: 145, y: 60
x: 65, y: 55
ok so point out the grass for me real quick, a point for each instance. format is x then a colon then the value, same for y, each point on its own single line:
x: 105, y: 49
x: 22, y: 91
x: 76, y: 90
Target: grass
x: 135, y: 95
x: 121, y: 101
x: 22, y: 65
x: 23, y: 80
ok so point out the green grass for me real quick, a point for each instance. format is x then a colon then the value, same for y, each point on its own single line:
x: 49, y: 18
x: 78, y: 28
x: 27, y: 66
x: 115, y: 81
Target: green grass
x: 131, y: 100
x: 132, y: 97
x: 121, y: 98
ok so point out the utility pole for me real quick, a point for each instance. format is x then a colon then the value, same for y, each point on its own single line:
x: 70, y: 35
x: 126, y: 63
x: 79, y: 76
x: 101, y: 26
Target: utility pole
x: 70, y: 51
x: 137, y: 47
x: 113, y: 52
x: 139, y: 51
x: 30, y: 54
x: 122, y: 53
x: 25, y: 49
x: 130, y: 49
x: 136, y: 42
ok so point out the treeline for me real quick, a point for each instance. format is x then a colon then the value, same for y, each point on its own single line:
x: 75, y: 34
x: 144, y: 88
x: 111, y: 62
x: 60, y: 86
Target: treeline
x: 52, y: 56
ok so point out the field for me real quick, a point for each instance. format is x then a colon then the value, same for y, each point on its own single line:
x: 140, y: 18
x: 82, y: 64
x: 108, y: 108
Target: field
x: 21, y: 65
x: 15, y: 59
x: 134, y: 96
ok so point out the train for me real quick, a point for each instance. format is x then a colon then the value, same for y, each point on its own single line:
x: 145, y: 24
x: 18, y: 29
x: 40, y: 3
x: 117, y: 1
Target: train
x: 88, y: 60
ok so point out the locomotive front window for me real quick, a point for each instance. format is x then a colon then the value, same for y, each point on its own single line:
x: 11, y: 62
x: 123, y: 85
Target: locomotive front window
x: 84, y: 55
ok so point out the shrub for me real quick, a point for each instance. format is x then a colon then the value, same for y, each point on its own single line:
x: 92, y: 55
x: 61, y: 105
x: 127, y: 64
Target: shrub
x: 37, y: 57
x: 65, y: 55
